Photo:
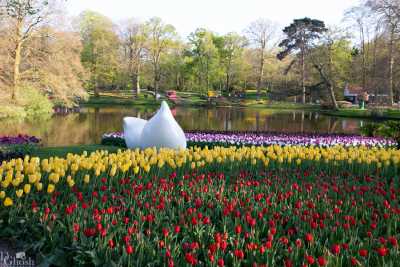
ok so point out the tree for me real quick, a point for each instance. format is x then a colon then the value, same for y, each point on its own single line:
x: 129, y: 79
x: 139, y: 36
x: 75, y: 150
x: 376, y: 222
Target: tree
x: 260, y: 32
x: 332, y: 60
x: 100, y: 49
x: 54, y: 65
x: 26, y: 17
x: 389, y: 13
x: 360, y: 16
x: 134, y: 38
x: 160, y: 38
x: 205, y: 56
x: 230, y: 54
x: 300, y: 35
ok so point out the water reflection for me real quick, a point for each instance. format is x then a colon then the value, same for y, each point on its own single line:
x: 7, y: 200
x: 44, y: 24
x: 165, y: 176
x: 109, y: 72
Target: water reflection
x: 88, y: 126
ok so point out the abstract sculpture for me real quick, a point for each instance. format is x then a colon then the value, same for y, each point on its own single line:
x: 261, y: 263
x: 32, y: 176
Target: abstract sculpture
x: 160, y: 131
x: 133, y: 128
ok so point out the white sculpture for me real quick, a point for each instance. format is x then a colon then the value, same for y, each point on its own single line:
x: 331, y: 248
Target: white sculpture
x: 160, y: 131
x: 133, y: 128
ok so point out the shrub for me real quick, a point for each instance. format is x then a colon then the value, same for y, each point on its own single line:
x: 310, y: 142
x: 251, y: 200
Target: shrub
x: 34, y: 103
x: 388, y: 129
x: 369, y: 129
x: 16, y: 151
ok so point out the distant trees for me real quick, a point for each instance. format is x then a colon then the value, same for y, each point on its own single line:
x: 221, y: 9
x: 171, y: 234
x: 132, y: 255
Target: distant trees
x: 134, y: 35
x: 332, y: 60
x: 205, y: 57
x: 98, y: 54
x: 260, y: 33
x: 161, y: 38
x: 231, y: 56
x: 37, y: 58
x: 100, y: 49
x: 388, y: 12
x: 299, y: 36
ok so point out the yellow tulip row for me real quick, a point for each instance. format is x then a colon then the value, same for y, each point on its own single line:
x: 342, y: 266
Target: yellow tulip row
x: 19, y: 175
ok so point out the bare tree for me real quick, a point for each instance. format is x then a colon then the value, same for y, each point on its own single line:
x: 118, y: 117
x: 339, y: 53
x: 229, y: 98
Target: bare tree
x: 26, y: 16
x: 389, y: 13
x: 134, y: 35
x: 260, y: 33
x: 161, y: 37
x: 360, y: 18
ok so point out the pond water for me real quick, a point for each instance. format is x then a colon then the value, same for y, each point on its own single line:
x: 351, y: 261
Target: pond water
x: 88, y: 126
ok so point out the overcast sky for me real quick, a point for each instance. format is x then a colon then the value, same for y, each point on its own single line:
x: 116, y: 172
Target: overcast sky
x: 221, y: 16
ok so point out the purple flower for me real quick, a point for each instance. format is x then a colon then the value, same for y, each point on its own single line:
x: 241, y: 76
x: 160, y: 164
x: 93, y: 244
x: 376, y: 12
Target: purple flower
x: 18, y: 140
x: 283, y: 139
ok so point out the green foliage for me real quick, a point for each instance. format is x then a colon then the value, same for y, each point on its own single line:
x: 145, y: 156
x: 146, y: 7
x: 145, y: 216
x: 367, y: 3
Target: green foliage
x: 17, y: 151
x: 369, y: 129
x: 388, y: 129
x: 100, y: 49
x: 35, y: 104
x: 300, y: 35
x: 205, y: 59
x: 31, y: 103
x: 113, y: 141
x: 391, y: 129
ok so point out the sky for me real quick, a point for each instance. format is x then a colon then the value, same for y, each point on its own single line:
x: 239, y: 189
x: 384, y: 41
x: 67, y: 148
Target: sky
x: 220, y: 16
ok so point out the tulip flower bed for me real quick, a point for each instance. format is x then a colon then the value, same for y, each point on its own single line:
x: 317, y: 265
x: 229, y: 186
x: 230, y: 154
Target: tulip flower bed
x: 249, y: 206
x: 17, y: 146
x: 210, y: 139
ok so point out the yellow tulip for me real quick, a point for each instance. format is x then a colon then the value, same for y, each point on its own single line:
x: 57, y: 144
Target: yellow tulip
x: 147, y: 168
x: 2, y: 194
x: 27, y: 188
x: 39, y: 186
x: 86, y: 179
x: 19, y: 193
x: 50, y: 188
x: 8, y: 202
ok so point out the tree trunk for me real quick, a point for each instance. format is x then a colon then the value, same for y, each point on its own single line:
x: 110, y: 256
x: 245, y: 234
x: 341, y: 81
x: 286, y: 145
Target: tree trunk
x: 330, y: 81
x: 17, y: 62
x: 261, y: 73
x: 374, y: 62
x: 227, y: 82
x: 135, y: 83
x: 391, y: 63
x: 17, y: 58
x: 156, y: 80
x: 303, y: 85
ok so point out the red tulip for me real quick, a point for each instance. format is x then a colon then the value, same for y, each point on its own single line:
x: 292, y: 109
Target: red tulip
x: 335, y: 249
x: 111, y: 243
x: 239, y: 254
x: 288, y: 263
x: 363, y: 252
x: 382, y: 251
x: 238, y: 229
x: 309, y: 237
x: 310, y: 259
x: 268, y: 245
x: 321, y: 261
x: 190, y: 259
x: 129, y: 249
x: 221, y: 262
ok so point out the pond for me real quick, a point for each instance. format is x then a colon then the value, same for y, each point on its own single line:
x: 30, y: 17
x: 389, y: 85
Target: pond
x: 88, y: 126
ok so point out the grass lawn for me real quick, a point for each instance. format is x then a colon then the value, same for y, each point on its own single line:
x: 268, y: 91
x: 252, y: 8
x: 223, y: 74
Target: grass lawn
x: 366, y: 113
x: 195, y: 99
x: 47, y: 152
x: 119, y: 99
